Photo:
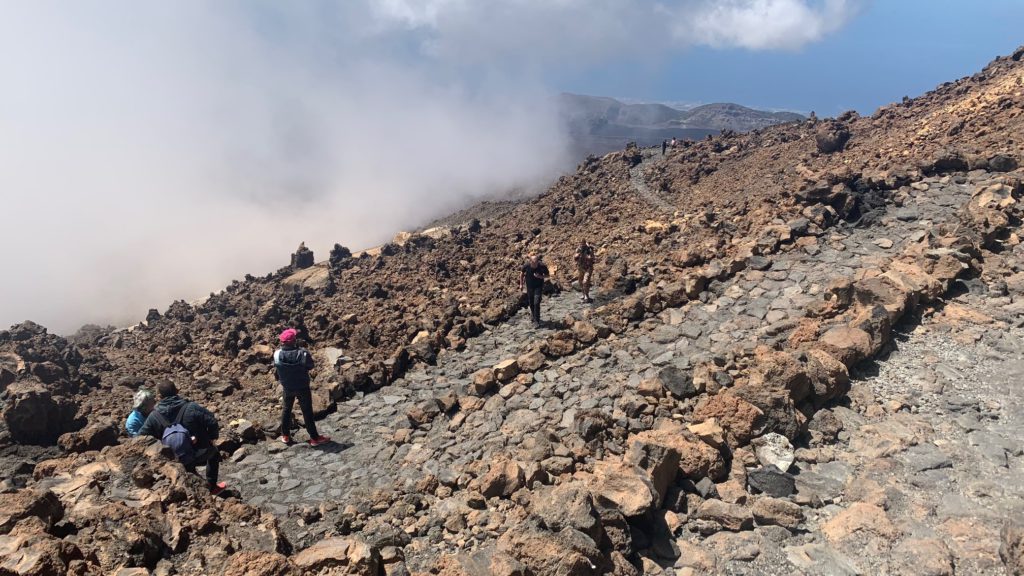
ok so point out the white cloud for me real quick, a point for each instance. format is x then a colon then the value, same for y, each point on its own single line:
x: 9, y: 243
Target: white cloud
x: 153, y: 150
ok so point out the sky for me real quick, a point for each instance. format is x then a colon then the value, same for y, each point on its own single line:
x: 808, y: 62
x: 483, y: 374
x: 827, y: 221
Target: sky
x: 888, y: 49
x: 153, y: 151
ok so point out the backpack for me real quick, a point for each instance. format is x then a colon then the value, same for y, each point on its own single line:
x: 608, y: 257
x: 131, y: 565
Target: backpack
x: 177, y: 437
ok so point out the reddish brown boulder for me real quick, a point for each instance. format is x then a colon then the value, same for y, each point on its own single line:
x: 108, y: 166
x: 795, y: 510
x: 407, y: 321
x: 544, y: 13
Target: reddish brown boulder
x: 740, y: 419
x: 93, y: 437
x: 16, y: 506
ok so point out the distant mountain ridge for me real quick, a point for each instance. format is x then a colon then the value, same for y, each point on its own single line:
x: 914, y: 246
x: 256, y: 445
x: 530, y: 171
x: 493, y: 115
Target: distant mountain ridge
x: 599, y: 124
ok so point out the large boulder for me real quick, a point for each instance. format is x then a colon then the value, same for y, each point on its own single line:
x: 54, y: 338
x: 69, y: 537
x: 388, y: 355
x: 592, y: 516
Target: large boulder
x: 350, y: 553
x: 567, y: 552
x: 658, y: 459
x: 847, y: 344
x: 629, y: 488
x: 831, y: 137
x: 566, y: 506
x: 16, y: 506
x: 697, y: 459
x: 92, y: 437
x: 503, y: 479
x: 35, y: 416
x: 740, y: 419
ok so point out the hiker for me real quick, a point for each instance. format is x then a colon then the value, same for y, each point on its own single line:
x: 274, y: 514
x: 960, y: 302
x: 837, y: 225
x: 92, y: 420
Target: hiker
x: 531, y: 281
x: 142, y: 404
x: 664, y: 144
x: 189, y: 430
x: 584, y: 258
x: 674, y: 142
x: 292, y: 364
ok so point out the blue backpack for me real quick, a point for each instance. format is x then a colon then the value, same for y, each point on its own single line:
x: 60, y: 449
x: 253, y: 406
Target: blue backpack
x: 177, y: 437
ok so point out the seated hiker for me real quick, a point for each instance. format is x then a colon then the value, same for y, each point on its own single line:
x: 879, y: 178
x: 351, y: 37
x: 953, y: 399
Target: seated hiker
x: 292, y: 364
x: 142, y: 405
x: 188, y: 429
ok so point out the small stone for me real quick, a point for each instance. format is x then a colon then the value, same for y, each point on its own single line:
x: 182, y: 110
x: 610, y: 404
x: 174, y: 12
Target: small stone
x: 729, y: 516
x: 774, y: 449
x: 777, y: 512
x: 883, y: 243
x: 506, y: 370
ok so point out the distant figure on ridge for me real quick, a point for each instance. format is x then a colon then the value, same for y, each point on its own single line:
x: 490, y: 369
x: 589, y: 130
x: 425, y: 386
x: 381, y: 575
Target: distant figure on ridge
x: 584, y: 259
x: 142, y: 404
x: 531, y: 281
x: 292, y: 364
x: 674, y: 142
x: 664, y: 144
x: 189, y: 430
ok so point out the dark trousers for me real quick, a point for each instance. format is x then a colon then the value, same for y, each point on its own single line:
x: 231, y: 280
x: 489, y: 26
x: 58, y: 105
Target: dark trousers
x: 533, y: 296
x: 209, y: 457
x: 305, y: 398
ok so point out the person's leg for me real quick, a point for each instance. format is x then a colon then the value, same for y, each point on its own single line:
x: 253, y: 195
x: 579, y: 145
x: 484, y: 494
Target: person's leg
x: 213, y: 467
x: 537, y: 293
x: 587, y: 276
x: 286, y: 414
x: 306, y: 405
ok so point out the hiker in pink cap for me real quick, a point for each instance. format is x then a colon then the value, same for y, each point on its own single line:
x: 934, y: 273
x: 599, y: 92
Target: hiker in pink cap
x: 292, y: 364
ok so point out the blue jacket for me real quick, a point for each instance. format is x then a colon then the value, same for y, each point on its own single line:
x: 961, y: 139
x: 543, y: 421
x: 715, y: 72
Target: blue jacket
x: 292, y: 366
x: 134, y: 423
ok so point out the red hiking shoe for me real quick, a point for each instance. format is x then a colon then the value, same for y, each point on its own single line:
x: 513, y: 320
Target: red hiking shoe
x: 319, y: 440
x: 286, y: 439
x: 218, y: 488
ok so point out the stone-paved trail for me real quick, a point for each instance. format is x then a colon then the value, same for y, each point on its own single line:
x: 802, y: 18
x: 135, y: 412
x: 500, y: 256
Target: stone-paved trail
x: 639, y: 182
x: 932, y: 443
x: 376, y: 447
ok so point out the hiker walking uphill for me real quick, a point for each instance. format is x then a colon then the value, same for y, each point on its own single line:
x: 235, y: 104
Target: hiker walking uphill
x: 584, y: 258
x: 292, y: 364
x: 188, y: 429
x: 531, y: 280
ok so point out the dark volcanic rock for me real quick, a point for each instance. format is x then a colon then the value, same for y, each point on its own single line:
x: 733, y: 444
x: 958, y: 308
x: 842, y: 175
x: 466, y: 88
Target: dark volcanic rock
x: 771, y: 481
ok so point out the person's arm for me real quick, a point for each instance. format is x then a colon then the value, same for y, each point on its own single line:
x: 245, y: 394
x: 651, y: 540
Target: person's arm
x: 150, y: 426
x: 309, y: 360
x: 522, y: 278
x: 212, y: 426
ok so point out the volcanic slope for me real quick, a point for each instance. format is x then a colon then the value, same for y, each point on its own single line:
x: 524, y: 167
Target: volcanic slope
x: 685, y: 423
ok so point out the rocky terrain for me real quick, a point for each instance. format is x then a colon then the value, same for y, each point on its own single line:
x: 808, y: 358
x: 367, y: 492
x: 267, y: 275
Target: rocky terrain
x: 804, y: 357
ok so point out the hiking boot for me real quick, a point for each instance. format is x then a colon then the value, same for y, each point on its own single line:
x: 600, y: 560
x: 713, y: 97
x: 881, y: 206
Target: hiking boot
x: 218, y: 488
x: 319, y: 440
x: 286, y: 439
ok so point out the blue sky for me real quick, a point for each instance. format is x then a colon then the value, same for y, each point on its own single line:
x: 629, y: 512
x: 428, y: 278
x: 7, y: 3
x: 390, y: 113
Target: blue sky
x: 891, y: 49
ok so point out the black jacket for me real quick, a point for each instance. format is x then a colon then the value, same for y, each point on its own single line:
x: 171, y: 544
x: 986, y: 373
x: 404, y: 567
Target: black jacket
x: 292, y: 366
x: 199, y: 421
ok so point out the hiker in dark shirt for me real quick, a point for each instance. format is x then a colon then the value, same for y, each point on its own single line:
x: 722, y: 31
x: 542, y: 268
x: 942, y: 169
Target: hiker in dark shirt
x: 531, y: 280
x: 664, y: 144
x: 292, y: 364
x: 201, y: 424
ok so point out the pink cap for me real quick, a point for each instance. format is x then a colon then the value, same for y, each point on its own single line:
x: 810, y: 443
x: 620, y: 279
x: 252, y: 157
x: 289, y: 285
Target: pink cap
x: 289, y: 335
